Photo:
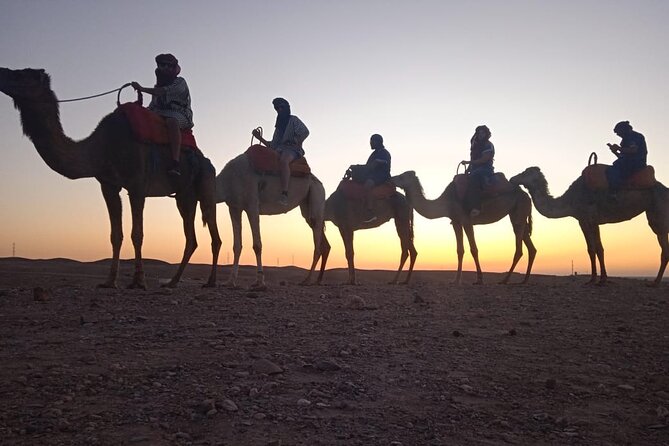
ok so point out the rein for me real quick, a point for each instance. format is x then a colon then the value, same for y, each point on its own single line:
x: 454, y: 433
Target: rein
x: 259, y: 129
x: 118, y: 96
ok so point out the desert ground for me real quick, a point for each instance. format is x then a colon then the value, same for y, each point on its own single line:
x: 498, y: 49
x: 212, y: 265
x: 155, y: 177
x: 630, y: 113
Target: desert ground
x: 552, y: 362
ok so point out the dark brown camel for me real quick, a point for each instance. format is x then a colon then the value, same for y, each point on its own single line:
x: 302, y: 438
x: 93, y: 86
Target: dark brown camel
x: 116, y: 160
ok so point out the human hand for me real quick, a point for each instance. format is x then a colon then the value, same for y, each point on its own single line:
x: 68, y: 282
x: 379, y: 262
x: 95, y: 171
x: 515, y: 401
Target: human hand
x: 464, y: 162
x: 136, y: 86
x: 256, y: 133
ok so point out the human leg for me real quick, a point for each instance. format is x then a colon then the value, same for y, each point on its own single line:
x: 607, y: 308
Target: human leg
x: 286, y: 157
x: 368, y: 201
x: 174, y: 136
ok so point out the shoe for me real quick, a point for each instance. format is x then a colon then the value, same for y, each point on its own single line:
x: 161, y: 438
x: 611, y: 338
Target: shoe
x: 283, y: 199
x: 474, y: 213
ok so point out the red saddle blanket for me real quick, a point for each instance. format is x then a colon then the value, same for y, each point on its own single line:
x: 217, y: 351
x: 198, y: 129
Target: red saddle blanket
x: 149, y: 127
x: 266, y: 161
x: 595, y: 178
x: 356, y: 191
x: 497, y: 185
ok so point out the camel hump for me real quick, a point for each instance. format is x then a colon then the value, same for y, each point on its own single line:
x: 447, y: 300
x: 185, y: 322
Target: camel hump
x: 149, y: 127
x: 353, y: 190
x: 266, y: 161
x: 594, y: 177
x: 497, y: 184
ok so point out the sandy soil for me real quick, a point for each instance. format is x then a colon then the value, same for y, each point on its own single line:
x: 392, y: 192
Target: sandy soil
x: 549, y: 363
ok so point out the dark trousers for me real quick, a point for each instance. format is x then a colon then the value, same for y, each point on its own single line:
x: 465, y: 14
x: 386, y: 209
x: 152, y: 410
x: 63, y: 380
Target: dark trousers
x: 476, y: 180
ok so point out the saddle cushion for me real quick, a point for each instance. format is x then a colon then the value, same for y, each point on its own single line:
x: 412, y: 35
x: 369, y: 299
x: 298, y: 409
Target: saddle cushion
x: 356, y: 191
x: 149, y: 127
x: 266, y: 161
x: 594, y: 177
x: 497, y: 185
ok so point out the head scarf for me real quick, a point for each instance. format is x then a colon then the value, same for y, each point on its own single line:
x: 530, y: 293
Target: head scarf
x: 622, y: 126
x: 378, y: 139
x: 167, y: 77
x: 282, y: 116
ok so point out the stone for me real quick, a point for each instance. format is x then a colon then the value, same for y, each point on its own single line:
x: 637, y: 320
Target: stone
x: 229, y: 405
x: 267, y: 367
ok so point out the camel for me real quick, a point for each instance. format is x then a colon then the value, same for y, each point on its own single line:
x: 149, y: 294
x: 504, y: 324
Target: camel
x: 515, y: 203
x: 592, y: 210
x: 116, y: 160
x: 348, y: 216
x: 243, y: 189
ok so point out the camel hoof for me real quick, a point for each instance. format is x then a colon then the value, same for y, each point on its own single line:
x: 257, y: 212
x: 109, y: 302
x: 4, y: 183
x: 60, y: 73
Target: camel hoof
x: 137, y: 286
x: 107, y: 285
x: 258, y: 287
x: 209, y: 285
x: 170, y: 284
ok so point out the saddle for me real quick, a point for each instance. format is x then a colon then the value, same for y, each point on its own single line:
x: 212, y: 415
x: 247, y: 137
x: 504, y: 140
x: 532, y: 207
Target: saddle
x: 594, y: 177
x: 497, y: 184
x: 149, y: 127
x: 353, y: 190
x: 265, y: 161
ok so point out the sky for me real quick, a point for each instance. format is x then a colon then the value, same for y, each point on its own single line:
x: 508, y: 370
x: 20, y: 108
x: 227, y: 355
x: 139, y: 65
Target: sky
x: 550, y: 79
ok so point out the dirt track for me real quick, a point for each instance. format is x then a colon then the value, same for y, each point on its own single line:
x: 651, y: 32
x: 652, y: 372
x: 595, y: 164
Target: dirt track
x: 552, y: 362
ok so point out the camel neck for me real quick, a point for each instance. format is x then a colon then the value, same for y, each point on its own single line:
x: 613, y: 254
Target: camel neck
x: 549, y: 206
x: 431, y: 209
x: 41, y: 123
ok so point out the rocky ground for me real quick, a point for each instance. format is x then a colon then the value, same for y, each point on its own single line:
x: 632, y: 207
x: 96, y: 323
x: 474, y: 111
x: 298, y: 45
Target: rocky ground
x: 549, y: 363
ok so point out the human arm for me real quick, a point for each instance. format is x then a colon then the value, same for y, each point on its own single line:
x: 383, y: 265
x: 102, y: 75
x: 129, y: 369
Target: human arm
x: 258, y: 135
x: 153, y: 91
x: 485, y: 158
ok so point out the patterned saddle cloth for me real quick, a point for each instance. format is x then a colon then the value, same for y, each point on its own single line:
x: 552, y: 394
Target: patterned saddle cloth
x: 498, y: 184
x: 149, y: 127
x: 356, y: 191
x: 266, y: 161
x: 595, y: 178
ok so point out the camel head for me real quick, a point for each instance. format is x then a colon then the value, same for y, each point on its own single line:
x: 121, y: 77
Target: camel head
x: 405, y: 180
x: 26, y: 84
x: 527, y: 177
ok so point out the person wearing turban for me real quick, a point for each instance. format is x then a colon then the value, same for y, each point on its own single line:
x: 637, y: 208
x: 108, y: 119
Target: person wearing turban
x: 631, y: 155
x: 479, y: 168
x: 289, y: 134
x: 171, y: 100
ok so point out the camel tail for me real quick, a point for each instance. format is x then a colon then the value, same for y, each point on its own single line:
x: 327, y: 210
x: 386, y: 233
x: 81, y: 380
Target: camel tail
x: 411, y: 225
x: 529, y: 223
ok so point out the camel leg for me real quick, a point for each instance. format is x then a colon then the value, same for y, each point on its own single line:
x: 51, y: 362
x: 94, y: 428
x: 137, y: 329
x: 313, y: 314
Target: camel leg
x: 113, y: 202
x: 236, y: 219
x: 531, y: 253
x: 186, y: 208
x: 207, y: 198
x: 325, y: 253
x: 599, y: 250
x: 404, y: 226
x: 254, y: 222
x: 519, y: 231
x: 317, y: 232
x: 664, y: 258
x: 209, y: 217
x: 590, y: 244
x: 469, y: 232
x: 460, y: 250
x: 347, y: 238
x: 413, y: 254
x: 137, y: 236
